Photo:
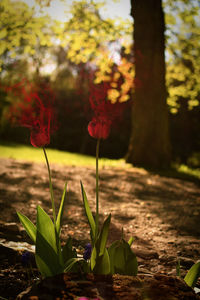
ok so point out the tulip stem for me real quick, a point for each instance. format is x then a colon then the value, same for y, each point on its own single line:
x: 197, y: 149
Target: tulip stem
x: 97, y: 186
x: 50, y: 187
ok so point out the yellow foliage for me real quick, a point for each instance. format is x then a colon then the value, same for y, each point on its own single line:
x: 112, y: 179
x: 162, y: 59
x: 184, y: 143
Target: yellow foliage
x: 113, y: 94
x: 88, y: 39
x: 173, y: 110
x: 113, y: 84
x: 193, y: 103
x: 27, y: 49
x: 13, y: 55
x: 124, y: 98
x: 22, y: 30
x: 3, y: 47
x: 116, y: 76
x: 3, y: 33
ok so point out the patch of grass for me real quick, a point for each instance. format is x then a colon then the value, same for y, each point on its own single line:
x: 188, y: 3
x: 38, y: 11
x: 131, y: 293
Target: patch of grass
x: 181, y: 171
x: 188, y: 171
x: 29, y: 153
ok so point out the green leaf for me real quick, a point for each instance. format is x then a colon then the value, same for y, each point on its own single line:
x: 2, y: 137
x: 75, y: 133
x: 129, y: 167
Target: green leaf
x: 67, y: 251
x: 178, y: 268
x: 131, y: 265
x: 60, y: 213
x: 111, y: 252
x: 131, y: 240
x: 47, y: 259
x: 103, y: 264
x: 88, y: 213
x: 119, y: 258
x: 104, y: 235
x: 193, y: 275
x: 28, y: 225
x: 93, y: 258
x: 43, y: 267
x: 71, y: 263
x: 46, y: 227
x: 100, y: 262
x: 122, y: 259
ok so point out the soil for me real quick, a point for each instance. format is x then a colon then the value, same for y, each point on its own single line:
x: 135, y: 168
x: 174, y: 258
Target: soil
x: 161, y: 213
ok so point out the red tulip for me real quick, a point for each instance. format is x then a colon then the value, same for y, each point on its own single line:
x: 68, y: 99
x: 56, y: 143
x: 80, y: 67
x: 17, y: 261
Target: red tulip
x: 38, y: 120
x: 99, y: 128
x: 104, y: 111
x: 40, y: 138
x: 34, y: 112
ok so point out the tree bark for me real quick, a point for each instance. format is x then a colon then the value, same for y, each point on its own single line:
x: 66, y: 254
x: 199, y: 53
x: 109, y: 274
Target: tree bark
x: 149, y: 142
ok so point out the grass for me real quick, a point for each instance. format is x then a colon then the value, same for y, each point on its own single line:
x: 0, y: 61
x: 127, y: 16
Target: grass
x: 29, y: 153
x: 180, y: 171
x: 188, y: 171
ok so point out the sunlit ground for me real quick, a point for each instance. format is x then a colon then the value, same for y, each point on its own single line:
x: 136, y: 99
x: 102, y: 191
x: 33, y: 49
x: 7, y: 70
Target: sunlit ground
x: 29, y: 153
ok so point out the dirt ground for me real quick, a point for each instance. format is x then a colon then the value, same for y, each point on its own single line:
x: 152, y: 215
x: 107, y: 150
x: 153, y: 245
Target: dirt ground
x: 161, y: 213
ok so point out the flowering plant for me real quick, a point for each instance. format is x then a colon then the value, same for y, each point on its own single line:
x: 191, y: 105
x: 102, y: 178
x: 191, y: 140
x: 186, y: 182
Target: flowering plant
x: 118, y: 258
x: 37, y: 115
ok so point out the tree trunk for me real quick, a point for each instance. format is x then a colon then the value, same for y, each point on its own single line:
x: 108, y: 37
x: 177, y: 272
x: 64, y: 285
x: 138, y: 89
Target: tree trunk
x: 149, y: 143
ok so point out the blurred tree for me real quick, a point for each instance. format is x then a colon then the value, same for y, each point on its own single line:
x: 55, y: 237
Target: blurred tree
x: 183, y: 53
x: 21, y: 32
x: 90, y: 38
x: 88, y: 41
x: 182, y: 76
x: 149, y: 143
x: 24, y: 39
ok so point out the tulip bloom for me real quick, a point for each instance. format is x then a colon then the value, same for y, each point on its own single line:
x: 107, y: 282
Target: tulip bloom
x: 104, y: 111
x: 40, y: 137
x: 34, y: 111
x: 38, y: 120
x: 99, y: 128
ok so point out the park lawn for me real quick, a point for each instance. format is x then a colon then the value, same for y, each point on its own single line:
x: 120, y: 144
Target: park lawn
x: 29, y: 153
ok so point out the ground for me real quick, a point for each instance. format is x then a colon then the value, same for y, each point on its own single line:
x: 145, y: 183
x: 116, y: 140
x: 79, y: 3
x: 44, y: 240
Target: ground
x: 161, y: 213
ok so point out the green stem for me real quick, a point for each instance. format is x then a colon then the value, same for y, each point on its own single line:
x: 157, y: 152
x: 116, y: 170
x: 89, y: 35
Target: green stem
x: 97, y: 186
x: 51, y: 188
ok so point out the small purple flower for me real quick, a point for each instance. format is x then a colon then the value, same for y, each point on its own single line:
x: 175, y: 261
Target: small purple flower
x: 88, y: 251
x: 26, y: 257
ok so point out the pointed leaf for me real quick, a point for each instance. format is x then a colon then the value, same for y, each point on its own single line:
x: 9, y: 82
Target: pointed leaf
x: 88, y: 213
x: 104, y: 235
x: 119, y: 259
x: 43, y: 267
x: 111, y: 252
x: 60, y: 213
x: 193, y: 275
x: 46, y: 258
x: 28, y: 225
x: 71, y: 263
x: 131, y: 240
x: 46, y: 227
x: 102, y: 264
x: 122, y: 259
x: 93, y: 258
x: 105, y: 264
x: 131, y: 265
x: 67, y: 251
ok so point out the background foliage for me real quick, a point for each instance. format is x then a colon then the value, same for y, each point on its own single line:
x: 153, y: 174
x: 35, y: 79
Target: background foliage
x: 64, y: 55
